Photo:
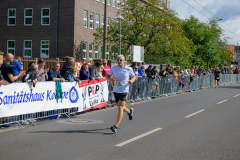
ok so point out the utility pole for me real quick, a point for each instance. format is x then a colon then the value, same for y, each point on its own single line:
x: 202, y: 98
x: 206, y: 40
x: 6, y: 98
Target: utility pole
x: 237, y: 52
x: 105, y: 30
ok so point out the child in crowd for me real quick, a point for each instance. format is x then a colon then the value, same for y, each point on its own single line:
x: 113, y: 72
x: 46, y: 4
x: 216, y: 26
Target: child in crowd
x: 70, y: 75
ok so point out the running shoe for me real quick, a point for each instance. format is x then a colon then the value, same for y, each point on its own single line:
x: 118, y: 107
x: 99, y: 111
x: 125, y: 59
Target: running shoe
x: 138, y: 99
x: 131, y: 114
x: 114, y: 128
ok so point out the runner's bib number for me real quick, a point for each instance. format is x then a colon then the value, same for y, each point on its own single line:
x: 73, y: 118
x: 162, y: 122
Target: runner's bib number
x: 119, y: 83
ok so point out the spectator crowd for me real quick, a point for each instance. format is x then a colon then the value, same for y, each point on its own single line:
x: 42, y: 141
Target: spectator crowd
x: 12, y: 71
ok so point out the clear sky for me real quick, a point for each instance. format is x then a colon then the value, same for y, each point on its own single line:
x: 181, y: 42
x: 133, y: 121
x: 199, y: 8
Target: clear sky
x: 227, y: 10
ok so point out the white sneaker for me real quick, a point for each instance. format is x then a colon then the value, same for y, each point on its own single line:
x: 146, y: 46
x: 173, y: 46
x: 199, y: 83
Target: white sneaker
x: 138, y: 98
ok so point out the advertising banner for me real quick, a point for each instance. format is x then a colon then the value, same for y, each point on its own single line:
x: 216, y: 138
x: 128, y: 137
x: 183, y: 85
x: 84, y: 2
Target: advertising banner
x: 23, y: 98
x: 78, y: 67
x: 138, y: 53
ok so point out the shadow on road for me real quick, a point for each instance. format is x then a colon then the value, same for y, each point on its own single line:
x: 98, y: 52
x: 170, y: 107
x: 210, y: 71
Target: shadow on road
x: 93, y: 131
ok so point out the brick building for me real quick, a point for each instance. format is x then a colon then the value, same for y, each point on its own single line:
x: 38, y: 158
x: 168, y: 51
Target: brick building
x: 237, y: 54
x: 53, y: 28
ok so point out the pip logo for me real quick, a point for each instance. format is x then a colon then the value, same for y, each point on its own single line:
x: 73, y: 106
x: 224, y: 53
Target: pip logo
x: 92, y: 90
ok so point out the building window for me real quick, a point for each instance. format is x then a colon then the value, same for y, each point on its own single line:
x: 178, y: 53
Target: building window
x: 28, y: 16
x: 45, y: 19
x: 118, y: 4
x: 85, y: 19
x: 96, y: 51
x: 108, y: 22
x: 101, y: 51
x: 97, y: 21
x: 113, y: 3
x: 102, y: 22
x: 103, y: 1
x: 122, y: 4
x: 91, y: 20
x: 44, y: 49
x: 11, y: 46
x: 84, y: 50
x: 108, y: 2
x: 90, y: 50
x: 11, y: 17
x: 27, y: 48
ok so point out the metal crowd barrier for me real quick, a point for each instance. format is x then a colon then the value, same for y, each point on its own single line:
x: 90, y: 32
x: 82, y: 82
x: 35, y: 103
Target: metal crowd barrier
x: 141, y: 90
x: 32, y: 117
x: 148, y: 88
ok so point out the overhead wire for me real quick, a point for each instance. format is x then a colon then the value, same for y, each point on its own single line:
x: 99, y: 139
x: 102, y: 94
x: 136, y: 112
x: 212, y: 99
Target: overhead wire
x: 208, y: 17
x: 214, y: 14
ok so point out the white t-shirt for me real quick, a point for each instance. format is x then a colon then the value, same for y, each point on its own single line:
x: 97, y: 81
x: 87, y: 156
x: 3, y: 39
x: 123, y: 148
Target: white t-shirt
x: 185, y: 73
x: 121, y: 75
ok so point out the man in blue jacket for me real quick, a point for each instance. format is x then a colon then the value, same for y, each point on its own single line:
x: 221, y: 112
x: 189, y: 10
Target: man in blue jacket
x: 70, y: 64
x: 139, y: 69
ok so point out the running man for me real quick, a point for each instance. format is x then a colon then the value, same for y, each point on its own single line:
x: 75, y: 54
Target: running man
x: 217, y: 74
x: 119, y: 75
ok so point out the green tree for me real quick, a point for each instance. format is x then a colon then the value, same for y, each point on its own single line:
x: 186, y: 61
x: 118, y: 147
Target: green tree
x: 207, y: 41
x: 158, y: 30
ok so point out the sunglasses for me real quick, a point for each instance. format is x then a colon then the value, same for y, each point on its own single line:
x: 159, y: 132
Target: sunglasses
x: 119, y: 60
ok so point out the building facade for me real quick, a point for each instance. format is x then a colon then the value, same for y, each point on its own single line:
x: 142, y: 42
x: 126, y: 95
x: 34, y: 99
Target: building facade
x: 237, y: 55
x: 53, y: 28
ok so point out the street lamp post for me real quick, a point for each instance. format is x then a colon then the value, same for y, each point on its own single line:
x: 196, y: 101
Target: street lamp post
x: 237, y: 52
x: 120, y: 18
x: 105, y: 30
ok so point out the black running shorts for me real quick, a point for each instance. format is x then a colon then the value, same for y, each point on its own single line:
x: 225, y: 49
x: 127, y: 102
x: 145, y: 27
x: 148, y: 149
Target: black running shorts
x: 120, y: 96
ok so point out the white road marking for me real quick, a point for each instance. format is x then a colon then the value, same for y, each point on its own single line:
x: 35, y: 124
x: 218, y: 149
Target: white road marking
x: 222, y: 101
x: 236, y: 95
x: 190, y: 115
x: 138, y: 137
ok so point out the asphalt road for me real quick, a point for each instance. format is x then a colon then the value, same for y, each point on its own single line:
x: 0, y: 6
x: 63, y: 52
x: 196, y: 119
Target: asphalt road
x: 202, y: 125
